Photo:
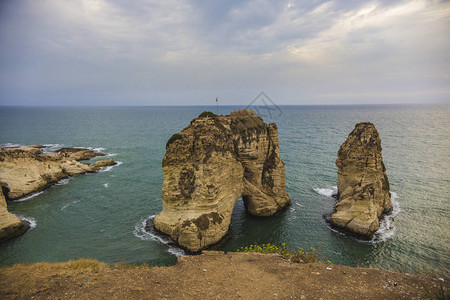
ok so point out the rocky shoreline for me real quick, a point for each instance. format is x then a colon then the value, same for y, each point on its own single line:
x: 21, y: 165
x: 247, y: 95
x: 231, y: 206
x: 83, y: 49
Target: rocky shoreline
x: 27, y: 169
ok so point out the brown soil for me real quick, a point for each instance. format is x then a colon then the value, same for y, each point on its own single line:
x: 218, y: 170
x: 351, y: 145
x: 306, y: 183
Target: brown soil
x: 212, y: 275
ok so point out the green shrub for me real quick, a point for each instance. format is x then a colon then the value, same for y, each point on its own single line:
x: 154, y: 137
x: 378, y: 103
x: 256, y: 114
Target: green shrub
x: 173, y: 138
x: 207, y: 114
x: 297, y: 256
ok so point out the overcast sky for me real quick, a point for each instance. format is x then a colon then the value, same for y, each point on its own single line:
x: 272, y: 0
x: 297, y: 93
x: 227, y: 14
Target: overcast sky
x: 183, y: 52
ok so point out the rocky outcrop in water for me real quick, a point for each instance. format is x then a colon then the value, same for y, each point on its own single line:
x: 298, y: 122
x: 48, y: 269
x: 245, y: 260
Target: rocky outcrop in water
x: 208, y: 166
x: 363, y: 186
x: 10, y: 225
x: 27, y: 169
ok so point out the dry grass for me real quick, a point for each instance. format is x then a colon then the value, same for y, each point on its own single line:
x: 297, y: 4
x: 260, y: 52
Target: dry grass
x: 79, y: 264
x: 247, y: 276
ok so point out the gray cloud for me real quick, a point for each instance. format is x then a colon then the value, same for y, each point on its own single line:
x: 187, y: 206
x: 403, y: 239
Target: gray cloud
x: 188, y: 52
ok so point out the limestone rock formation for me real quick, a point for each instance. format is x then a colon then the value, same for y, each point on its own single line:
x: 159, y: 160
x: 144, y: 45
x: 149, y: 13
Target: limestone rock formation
x: 10, y: 225
x: 27, y: 169
x: 208, y: 166
x: 363, y: 186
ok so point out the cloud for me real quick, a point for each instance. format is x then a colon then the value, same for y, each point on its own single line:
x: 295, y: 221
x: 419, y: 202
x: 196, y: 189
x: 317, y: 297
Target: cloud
x: 186, y: 52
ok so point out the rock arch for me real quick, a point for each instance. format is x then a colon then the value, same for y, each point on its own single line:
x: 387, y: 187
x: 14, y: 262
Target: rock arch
x: 208, y: 166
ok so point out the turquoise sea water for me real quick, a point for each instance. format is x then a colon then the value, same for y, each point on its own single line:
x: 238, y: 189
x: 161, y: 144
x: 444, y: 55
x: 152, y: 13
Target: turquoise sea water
x: 101, y: 215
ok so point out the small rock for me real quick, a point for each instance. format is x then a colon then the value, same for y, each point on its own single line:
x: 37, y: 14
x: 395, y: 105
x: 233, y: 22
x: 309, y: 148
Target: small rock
x: 204, y: 270
x: 329, y: 269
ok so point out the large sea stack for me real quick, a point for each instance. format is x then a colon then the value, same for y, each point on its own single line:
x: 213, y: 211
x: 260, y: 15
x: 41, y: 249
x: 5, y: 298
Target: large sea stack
x: 208, y: 166
x: 363, y: 186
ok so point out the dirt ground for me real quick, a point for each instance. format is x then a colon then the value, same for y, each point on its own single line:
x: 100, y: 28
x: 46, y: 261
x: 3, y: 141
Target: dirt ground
x: 212, y: 275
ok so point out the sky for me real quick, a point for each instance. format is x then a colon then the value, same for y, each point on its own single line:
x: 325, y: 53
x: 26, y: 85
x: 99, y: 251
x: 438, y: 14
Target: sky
x: 188, y: 52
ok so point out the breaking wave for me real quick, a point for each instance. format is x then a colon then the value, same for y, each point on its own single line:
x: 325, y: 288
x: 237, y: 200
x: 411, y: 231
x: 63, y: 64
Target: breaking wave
x: 150, y: 234
x: 30, y: 220
x: 29, y: 196
x: 63, y: 181
x: 51, y: 147
x: 9, y: 145
x: 109, y: 168
x: 387, y: 227
x: 328, y: 192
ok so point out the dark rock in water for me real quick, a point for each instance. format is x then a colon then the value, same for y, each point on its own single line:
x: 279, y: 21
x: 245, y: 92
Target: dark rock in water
x: 208, y: 166
x: 362, y: 183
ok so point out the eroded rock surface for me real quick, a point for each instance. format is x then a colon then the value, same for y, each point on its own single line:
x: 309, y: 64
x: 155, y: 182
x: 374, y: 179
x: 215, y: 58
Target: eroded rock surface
x: 26, y: 169
x: 362, y: 183
x: 208, y: 166
x: 10, y: 225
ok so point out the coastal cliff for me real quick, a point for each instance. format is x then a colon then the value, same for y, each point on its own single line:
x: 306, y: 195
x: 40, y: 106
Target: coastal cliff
x: 213, y: 275
x: 27, y: 169
x: 10, y: 225
x: 208, y: 166
x: 363, y: 186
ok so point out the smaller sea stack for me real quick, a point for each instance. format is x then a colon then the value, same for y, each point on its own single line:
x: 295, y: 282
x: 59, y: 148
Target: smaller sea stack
x: 363, y: 186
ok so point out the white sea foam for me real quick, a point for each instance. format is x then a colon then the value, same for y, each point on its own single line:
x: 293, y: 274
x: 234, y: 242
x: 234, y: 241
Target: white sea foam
x: 110, y: 154
x: 141, y: 233
x: 63, y: 181
x: 105, y: 185
x: 98, y: 149
x: 28, y: 197
x: 329, y: 192
x: 65, y: 206
x: 109, y: 168
x: 387, y: 227
x: 30, y: 220
x: 9, y: 145
x: 51, y: 147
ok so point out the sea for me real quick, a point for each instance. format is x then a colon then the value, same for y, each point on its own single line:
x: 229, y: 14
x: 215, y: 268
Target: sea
x: 102, y: 216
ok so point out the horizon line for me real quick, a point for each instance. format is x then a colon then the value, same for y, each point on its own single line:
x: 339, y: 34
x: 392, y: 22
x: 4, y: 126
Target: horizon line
x: 231, y: 105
